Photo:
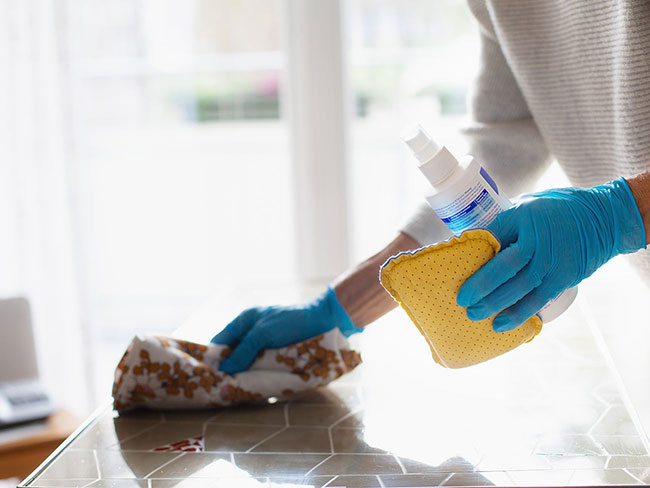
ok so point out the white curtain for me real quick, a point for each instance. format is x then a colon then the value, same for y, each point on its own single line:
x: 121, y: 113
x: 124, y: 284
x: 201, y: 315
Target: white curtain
x: 38, y: 258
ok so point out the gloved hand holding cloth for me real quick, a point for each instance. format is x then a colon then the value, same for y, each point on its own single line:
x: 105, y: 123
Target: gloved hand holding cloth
x: 550, y: 242
x: 279, y: 326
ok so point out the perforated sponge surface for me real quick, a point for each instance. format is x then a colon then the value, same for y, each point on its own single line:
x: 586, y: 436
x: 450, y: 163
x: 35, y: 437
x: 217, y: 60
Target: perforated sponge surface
x: 426, y: 282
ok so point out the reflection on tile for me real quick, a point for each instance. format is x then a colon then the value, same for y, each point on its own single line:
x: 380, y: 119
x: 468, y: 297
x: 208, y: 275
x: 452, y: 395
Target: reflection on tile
x: 236, y: 438
x: 359, y: 464
x: 119, y: 484
x: 602, y: 477
x: 566, y: 445
x: 131, y: 464
x: 621, y: 445
x: 616, y: 421
x: 642, y: 474
x: 190, y: 415
x: 252, y: 414
x: 496, y: 460
x: 198, y: 483
x: 335, y: 393
x: 418, y: 480
x: 298, y: 439
x: 325, y: 415
x: 352, y: 441
x: 353, y: 419
x: 108, y: 431
x: 306, y: 482
x: 71, y: 483
x: 198, y: 465
x: 520, y: 419
x: 163, y: 434
x: 73, y: 465
x: 354, y: 481
x: 555, y: 477
x: 494, y: 478
x: 454, y: 464
x: 275, y: 465
x: 628, y: 462
x: 577, y: 462
x: 140, y: 414
x: 608, y: 393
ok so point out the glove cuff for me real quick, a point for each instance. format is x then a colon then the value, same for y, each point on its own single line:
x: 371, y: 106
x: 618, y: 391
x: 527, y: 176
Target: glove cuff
x: 629, y: 235
x: 341, y: 317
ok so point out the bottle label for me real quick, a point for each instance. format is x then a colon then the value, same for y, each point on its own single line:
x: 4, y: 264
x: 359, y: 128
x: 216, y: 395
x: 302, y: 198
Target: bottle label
x: 474, y: 208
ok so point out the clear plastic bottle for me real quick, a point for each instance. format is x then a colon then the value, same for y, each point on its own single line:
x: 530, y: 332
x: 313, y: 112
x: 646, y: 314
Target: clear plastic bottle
x: 464, y: 196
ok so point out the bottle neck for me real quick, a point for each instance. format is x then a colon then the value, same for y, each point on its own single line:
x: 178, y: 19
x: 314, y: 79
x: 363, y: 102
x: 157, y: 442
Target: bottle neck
x: 440, y: 167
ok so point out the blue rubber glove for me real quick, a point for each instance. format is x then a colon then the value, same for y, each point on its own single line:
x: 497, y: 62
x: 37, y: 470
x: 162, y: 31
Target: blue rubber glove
x: 273, y: 327
x: 550, y: 242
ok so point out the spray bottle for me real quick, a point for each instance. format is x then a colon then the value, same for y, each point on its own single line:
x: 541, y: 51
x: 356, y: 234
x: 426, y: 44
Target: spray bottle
x: 464, y: 196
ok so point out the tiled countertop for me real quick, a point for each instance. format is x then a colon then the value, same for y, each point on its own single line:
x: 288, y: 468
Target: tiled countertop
x: 550, y: 413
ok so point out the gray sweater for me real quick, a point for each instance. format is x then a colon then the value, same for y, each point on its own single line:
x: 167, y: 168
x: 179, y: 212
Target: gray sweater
x: 563, y: 79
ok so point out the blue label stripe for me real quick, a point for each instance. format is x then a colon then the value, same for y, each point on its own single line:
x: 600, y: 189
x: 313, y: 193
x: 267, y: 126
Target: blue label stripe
x: 468, y: 209
x: 489, y: 180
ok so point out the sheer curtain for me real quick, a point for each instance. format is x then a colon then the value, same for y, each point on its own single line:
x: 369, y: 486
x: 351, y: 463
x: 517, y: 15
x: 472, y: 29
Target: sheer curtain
x: 37, y: 255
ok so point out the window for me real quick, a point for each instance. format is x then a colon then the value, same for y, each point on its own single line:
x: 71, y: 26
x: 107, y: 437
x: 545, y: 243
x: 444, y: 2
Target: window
x: 182, y: 167
x: 184, y: 174
x: 410, y: 62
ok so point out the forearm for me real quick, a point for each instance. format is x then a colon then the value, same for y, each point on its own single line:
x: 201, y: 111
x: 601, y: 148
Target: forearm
x: 640, y: 187
x: 359, y: 291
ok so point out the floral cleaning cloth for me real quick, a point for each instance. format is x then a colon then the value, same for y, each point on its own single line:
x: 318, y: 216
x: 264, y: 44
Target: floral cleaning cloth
x: 167, y: 373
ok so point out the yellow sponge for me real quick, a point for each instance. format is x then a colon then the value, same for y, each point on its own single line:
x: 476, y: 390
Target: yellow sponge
x: 426, y: 282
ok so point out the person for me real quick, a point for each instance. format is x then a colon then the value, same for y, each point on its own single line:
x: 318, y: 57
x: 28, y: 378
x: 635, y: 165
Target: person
x: 568, y: 80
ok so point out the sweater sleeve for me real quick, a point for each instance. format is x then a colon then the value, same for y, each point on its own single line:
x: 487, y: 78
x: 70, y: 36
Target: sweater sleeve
x: 502, y: 134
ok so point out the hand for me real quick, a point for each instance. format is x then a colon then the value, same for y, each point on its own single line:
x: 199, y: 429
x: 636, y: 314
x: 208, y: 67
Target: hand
x: 551, y: 242
x: 272, y: 327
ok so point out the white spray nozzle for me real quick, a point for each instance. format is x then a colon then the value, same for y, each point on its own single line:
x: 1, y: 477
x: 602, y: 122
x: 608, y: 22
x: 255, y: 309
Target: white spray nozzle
x: 436, y: 163
x: 423, y: 147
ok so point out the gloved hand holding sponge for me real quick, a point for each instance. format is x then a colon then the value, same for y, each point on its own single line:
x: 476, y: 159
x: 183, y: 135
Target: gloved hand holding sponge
x: 544, y: 246
x: 551, y: 241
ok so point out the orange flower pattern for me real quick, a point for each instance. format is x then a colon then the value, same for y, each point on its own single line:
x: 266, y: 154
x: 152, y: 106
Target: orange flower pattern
x: 163, y: 372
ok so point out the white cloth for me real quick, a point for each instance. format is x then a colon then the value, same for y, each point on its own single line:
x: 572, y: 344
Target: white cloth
x: 167, y: 373
x: 569, y: 80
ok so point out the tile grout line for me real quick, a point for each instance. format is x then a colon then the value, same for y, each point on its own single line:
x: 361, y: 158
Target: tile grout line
x: 269, y: 437
x: 349, y: 414
x: 600, y: 417
x: 128, y: 438
x: 318, y: 464
x: 212, y: 418
x: 446, y: 479
x: 203, y: 435
x: 286, y: 426
x: 165, y: 464
x: 573, y: 473
x: 512, y: 480
x: 381, y: 483
x: 605, y: 354
x: 400, y: 464
x: 626, y: 470
x: 329, y: 481
x: 331, y: 439
x: 91, y: 482
x: 99, y: 472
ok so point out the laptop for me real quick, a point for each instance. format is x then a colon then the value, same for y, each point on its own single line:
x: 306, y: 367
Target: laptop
x: 22, y: 396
